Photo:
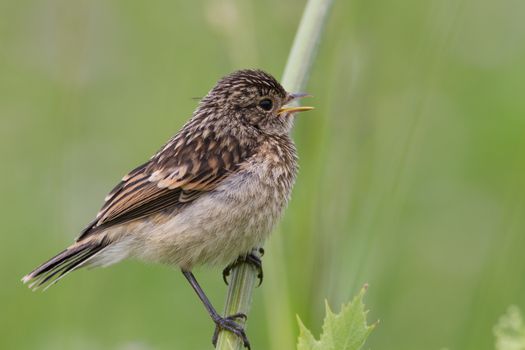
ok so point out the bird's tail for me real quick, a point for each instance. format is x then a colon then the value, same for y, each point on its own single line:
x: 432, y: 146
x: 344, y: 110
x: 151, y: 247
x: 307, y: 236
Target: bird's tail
x: 74, y: 257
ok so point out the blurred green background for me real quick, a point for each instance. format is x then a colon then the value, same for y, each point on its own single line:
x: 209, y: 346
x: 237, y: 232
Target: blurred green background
x: 412, y: 166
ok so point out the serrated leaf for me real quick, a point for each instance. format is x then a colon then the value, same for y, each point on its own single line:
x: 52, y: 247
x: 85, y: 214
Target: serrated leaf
x: 510, y: 330
x: 306, y: 340
x: 346, y: 330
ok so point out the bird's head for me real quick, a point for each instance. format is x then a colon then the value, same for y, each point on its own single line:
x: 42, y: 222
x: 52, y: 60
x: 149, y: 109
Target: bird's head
x: 254, y: 99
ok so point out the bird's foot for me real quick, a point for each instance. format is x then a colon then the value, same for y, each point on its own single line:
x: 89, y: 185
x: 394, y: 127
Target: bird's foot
x: 252, y: 259
x: 228, y: 323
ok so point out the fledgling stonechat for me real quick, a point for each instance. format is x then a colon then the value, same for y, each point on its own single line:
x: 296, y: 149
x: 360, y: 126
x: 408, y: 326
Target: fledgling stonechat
x: 210, y: 195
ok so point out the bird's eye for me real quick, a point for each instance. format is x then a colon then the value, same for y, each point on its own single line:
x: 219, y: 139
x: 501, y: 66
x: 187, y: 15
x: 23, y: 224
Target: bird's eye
x: 266, y: 104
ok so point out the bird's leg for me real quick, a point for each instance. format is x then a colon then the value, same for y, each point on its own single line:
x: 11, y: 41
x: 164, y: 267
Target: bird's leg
x: 252, y: 259
x: 226, y: 323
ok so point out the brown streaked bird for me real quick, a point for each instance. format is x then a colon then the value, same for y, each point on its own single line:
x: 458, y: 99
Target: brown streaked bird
x: 210, y: 196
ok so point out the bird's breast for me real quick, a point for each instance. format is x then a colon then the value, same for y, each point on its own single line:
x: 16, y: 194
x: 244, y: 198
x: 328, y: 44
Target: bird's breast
x: 227, y: 222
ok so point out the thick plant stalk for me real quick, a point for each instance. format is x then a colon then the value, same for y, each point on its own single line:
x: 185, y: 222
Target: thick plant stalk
x: 304, y: 49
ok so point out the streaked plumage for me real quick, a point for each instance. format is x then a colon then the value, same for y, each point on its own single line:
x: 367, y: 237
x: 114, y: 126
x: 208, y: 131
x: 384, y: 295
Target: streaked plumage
x: 211, y: 194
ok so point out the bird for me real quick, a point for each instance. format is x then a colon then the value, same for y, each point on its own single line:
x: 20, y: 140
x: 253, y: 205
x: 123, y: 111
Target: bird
x: 210, y: 196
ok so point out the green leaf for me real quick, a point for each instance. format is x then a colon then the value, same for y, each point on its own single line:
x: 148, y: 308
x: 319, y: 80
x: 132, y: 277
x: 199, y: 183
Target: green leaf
x: 510, y: 331
x: 346, y: 330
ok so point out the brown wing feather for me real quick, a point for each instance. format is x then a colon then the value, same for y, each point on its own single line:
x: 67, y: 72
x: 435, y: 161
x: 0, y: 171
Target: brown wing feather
x: 185, y: 168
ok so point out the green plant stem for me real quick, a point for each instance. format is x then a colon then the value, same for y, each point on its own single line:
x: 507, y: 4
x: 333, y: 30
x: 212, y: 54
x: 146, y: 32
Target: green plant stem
x: 306, y: 43
x: 295, y: 77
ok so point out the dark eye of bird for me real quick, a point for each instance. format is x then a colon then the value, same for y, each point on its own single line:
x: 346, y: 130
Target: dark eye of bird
x: 266, y: 104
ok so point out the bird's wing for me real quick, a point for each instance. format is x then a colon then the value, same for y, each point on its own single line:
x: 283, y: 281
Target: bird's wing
x: 189, y: 165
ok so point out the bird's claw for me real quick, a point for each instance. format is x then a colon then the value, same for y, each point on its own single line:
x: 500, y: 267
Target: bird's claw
x: 252, y: 259
x: 228, y: 323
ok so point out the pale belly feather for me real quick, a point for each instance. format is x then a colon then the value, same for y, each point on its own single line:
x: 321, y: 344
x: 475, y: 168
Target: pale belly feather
x: 216, y: 228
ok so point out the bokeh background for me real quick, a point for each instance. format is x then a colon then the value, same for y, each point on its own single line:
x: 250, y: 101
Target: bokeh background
x: 412, y: 166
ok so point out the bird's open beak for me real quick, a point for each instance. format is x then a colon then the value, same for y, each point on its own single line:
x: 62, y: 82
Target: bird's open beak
x: 292, y: 109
